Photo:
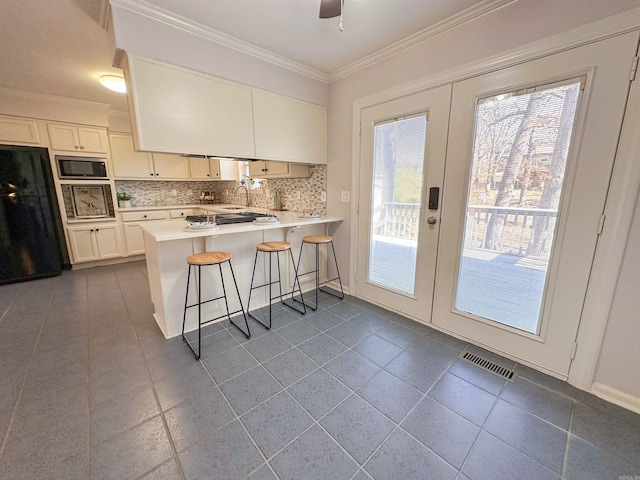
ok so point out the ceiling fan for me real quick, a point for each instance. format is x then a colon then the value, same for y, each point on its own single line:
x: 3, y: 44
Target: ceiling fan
x: 331, y: 8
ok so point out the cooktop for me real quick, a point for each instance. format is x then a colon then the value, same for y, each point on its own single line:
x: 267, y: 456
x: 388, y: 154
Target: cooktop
x: 227, y: 218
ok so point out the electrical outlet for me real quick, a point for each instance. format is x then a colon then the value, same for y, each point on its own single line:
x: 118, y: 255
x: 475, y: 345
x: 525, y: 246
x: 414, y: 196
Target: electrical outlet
x: 323, y: 196
x: 299, y: 195
x: 345, y: 196
x: 174, y: 193
x: 189, y: 192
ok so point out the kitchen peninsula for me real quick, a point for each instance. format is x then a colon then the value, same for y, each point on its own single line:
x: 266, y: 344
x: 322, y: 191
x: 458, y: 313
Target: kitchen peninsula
x: 169, y: 243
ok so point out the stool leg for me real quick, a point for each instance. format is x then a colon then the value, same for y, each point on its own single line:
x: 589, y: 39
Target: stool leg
x: 186, y: 298
x: 335, y: 259
x: 317, y: 272
x: 293, y: 291
x: 302, y: 300
x: 248, y: 332
x: 253, y: 275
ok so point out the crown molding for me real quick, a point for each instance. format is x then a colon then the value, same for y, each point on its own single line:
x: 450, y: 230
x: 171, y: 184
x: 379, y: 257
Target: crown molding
x: 43, y: 97
x: 104, y: 13
x: 480, y: 9
x: 166, y: 17
x: 592, y: 32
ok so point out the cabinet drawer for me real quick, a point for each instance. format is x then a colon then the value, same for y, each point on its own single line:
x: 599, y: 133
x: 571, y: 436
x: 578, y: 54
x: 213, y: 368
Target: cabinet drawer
x: 175, y: 214
x: 142, y: 216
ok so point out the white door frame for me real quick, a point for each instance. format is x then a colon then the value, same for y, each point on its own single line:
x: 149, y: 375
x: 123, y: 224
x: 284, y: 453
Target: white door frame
x: 623, y: 192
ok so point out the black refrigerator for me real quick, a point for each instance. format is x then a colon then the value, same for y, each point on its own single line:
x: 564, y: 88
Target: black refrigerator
x: 31, y: 237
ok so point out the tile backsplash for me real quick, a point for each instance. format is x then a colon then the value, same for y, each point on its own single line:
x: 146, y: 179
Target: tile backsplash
x: 297, y: 194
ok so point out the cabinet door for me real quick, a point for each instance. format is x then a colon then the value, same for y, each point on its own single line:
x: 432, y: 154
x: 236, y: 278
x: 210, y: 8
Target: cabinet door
x: 229, y: 169
x: 134, y: 238
x: 92, y: 139
x: 167, y: 165
x: 199, y: 168
x: 83, y: 244
x: 107, y: 241
x: 220, y: 115
x: 214, y: 168
x: 19, y: 130
x: 288, y: 129
x: 257, y: 169
x: 63, y: 137
x: 277, y: 168
x: 127, y: 163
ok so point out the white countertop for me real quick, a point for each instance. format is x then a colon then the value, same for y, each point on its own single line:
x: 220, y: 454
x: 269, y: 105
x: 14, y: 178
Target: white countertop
x: 175, y: 230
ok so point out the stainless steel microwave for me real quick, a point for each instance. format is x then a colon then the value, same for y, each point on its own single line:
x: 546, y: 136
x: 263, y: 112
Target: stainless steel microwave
x: 83, y: 168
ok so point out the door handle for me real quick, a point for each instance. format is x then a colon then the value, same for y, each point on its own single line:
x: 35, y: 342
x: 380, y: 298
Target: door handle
x: 432, y: 220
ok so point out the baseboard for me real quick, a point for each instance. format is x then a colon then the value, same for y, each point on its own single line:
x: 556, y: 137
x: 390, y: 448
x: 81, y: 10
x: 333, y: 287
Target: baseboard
x: 616, y: 396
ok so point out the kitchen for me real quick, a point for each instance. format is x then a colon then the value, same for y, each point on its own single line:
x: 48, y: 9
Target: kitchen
x: 345, y: 89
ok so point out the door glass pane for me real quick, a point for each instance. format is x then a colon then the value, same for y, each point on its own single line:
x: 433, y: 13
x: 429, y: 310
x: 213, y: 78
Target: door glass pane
x: 521, y: 144
x: 398, y: 158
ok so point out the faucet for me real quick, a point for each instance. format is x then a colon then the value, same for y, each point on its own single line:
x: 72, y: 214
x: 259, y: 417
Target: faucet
x: 246, y: 191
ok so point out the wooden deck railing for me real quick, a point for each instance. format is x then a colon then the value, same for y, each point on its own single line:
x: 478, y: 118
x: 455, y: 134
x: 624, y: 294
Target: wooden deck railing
x: 521, y: 231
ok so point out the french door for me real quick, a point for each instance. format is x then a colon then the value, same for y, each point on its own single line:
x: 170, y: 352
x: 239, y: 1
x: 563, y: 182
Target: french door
x: 504, y: 259
x: 403, y: 143
x: 529, y: 159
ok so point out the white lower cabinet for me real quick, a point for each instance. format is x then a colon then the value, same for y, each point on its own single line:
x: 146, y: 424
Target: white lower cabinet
x: 134, y: 238
x: 132, y: 225
x: 94, y: 242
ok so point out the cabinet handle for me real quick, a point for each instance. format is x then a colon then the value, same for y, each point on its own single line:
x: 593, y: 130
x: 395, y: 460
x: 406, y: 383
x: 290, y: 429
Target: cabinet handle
x: 77, y: 147
x: 157, y: 174
x: 97, y: 229
x: 144, y: 216
x: 151, y: 174
x: 81, y: 147
x: 91, y: 230
x: 208, y: 175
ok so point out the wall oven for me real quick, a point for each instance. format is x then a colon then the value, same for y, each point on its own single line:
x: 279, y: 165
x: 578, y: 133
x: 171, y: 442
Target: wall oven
x: 81, y: 168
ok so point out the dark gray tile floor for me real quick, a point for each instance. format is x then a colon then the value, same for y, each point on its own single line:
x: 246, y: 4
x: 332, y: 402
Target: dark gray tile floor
x: 91, y: 390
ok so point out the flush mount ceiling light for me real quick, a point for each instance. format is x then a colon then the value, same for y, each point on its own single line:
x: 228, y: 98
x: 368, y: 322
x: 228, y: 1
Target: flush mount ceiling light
x: 114, y: 82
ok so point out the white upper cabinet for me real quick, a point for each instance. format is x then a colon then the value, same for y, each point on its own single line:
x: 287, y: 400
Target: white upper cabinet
x: 213, y: 169
x: 289, y: 130
x: 182, y: 111
x: 19, y: 130
x: 177, y: 110
x: 78, y: 138
x: 169, y: 166
x: 127, y: 163
x: 262, y: 169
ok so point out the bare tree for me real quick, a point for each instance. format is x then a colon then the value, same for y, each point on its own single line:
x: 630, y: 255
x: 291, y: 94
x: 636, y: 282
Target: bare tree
x: 518, y: 150
x: 550, y: 197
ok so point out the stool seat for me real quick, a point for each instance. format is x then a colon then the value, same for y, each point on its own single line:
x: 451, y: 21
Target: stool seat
x: 317, y: 239
x: 208, y: 258
x: 273, y: 246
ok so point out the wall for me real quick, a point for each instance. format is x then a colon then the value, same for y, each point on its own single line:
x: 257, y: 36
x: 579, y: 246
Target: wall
x: 146, y: 193
x: 509, y: 30
x: 48, y: 107
x: 135, y: 33
x: 620, y: 347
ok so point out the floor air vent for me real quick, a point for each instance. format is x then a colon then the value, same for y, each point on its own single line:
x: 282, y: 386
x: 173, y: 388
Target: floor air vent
x: 489, y: 366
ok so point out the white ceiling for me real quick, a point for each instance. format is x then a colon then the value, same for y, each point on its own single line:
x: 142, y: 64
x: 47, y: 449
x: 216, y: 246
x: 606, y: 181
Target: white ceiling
x: 59, y: 48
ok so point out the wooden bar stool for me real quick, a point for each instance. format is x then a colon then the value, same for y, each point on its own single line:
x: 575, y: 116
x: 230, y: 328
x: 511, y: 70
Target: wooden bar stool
x: 271, y: 248
x: 206, y: 259
x: 318, y: 240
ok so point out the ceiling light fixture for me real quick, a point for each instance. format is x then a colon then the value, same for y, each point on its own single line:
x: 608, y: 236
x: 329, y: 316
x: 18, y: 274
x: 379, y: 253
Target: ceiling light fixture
x: 114, y: 82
